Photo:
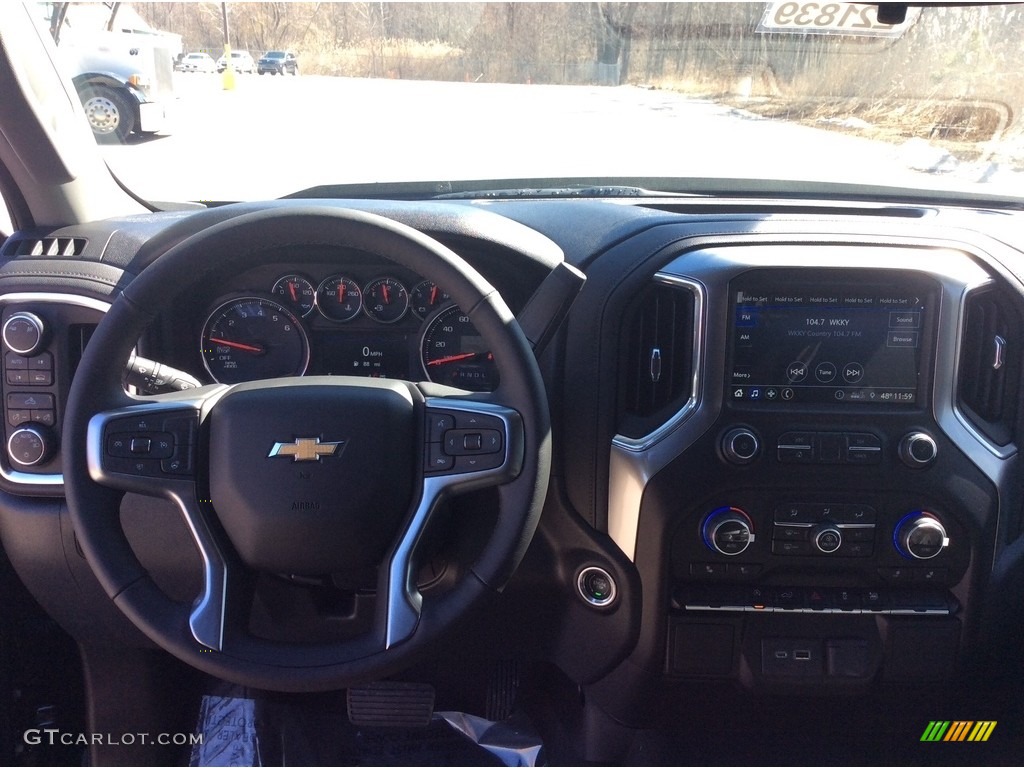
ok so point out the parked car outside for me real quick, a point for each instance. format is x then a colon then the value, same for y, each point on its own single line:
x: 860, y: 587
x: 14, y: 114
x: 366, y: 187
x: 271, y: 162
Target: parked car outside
x: 241, y: 61
x: 198, y: 62
x: 278, y: 63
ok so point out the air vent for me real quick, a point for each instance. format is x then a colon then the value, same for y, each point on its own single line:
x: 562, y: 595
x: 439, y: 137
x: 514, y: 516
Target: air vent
x: 990, y: 364
x: 657, y: 358
x: 46, y: 246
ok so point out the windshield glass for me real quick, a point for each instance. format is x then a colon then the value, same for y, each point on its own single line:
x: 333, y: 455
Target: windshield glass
x: 669, y: 96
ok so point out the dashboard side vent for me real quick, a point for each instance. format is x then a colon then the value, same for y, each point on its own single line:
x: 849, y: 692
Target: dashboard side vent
x: 990, y: 365
x: 46, y: 246
x: 657, y: 358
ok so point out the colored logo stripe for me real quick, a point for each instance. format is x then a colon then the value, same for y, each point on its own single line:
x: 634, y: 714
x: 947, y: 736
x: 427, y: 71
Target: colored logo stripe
x: 958, y: 730
x: 935, y: 731
x: 982, y: 730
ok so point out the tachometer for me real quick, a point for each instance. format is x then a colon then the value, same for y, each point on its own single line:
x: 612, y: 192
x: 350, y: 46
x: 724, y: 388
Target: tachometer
x: 249, y: 338
x: 454, y: 353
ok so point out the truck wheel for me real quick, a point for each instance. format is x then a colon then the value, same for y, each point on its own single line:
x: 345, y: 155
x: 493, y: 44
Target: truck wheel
x: 109, y: 113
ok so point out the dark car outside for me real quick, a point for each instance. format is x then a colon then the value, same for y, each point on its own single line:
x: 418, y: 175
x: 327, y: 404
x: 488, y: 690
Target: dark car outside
x: 278, y: 63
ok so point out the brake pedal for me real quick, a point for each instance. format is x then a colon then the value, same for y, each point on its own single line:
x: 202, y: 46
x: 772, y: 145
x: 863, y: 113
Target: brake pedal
x: 388, y: 704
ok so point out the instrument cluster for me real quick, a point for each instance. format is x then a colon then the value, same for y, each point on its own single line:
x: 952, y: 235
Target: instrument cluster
x: 356, y: 323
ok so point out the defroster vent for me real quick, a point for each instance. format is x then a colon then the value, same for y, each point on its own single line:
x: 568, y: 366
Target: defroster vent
x: 990, y: 363
x: 657, y: 357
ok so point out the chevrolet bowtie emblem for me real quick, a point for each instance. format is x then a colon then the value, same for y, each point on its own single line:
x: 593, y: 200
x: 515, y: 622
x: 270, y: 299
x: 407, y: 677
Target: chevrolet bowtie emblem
x: 305, y: 449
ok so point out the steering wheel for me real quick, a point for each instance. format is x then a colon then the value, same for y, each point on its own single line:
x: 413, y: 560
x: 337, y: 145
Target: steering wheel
x: 308, y: 475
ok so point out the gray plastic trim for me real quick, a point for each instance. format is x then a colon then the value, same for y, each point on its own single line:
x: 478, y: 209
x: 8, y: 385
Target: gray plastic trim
x: 28, y: 478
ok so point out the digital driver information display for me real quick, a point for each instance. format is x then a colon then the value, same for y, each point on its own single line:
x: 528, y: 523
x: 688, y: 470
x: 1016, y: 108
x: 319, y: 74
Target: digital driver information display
x: 842, y: 345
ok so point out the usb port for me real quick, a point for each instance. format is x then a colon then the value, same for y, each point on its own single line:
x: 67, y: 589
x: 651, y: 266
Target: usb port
x: 801, y: 655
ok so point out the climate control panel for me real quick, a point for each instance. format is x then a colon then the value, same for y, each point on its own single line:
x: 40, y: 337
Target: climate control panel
x: 870, y: 543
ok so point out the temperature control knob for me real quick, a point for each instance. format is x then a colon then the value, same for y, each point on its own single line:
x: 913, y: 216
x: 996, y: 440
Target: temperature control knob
x: 920, y: 536
x: 30, y: 446
x: 24, y: 333
x: 740, y: 445
x: 727, y: 530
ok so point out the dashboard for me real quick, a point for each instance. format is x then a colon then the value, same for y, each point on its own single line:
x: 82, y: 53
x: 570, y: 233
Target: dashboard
x: 785, y: 434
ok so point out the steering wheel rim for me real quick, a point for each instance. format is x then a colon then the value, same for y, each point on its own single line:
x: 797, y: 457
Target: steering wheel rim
x: 93, y: 493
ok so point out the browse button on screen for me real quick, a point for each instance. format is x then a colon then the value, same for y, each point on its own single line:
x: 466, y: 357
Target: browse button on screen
x: 902, y: 339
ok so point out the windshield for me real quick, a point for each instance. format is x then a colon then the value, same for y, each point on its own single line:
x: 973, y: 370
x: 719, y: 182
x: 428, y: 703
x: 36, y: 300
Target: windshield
x: 673, y: 97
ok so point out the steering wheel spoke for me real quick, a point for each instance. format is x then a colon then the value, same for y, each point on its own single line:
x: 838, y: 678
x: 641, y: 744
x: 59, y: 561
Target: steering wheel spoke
x: 470, y: 444
x: 149, y: 447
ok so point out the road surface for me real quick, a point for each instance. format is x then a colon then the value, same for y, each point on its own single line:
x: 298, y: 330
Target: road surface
x: 275, y: 135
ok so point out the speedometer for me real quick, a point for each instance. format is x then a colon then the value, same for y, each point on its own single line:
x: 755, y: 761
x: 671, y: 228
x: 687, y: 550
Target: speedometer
x: 455, y: 353
x: 249, y: 338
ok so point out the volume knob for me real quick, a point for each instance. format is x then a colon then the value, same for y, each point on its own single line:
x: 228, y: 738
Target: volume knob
x: 740, y: 445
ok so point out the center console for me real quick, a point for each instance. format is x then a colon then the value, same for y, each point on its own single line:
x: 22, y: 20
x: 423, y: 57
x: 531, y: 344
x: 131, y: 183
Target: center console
x: 822, y: 499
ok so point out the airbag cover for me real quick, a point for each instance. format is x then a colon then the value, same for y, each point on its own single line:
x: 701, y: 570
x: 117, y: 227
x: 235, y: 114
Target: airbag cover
x: 340, y: 479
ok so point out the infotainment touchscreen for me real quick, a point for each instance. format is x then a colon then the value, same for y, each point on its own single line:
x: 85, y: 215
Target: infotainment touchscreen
x: 837, y: 344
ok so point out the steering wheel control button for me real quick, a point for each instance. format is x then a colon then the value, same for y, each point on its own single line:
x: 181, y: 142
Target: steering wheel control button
x: 740, y: 446
x: 918, y: 450
x: 463, y: 441
x: 437, y: 460
x: 728, y: 530
x: 596, y: 586
x: 24, y: 333
x: 150, y: 445
x: 29, y: 446
x: 437, y: 425
x: 920, y: 536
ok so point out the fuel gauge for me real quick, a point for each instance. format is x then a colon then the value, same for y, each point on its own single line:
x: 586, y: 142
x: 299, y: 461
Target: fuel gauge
x: 386, y: 300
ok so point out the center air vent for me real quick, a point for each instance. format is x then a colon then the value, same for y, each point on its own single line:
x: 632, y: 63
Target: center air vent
x: 657, y: 357
x: 990, y: 360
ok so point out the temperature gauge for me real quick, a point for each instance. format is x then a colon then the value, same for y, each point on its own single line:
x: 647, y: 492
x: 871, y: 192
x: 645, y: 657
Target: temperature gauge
x: 339, y: 298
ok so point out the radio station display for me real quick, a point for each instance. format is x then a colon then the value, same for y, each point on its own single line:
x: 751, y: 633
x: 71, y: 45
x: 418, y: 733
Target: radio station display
x: 840, y: 345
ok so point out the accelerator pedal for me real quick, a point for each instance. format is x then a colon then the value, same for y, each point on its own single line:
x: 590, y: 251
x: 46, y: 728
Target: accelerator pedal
x: 388, y: 704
